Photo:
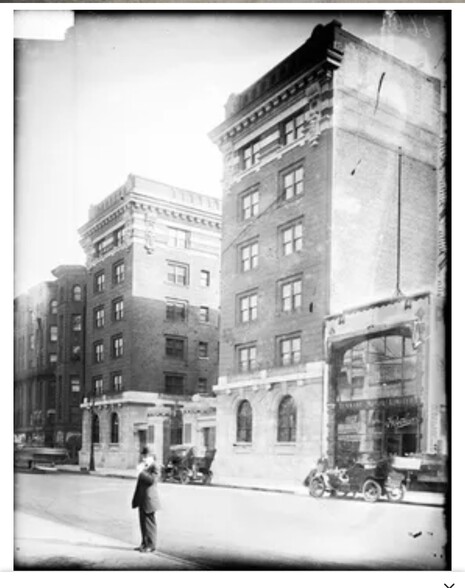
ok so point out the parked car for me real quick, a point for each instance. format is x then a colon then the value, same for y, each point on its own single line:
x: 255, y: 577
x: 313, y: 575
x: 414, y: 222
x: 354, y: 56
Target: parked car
x: 31, y: 456
x: 424, y: 471
x: 371, y: 479
x: 187, y: 463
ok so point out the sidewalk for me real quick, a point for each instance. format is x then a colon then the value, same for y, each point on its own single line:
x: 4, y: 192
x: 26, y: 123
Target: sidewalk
x: 41, y: 544
x: 411, y: 497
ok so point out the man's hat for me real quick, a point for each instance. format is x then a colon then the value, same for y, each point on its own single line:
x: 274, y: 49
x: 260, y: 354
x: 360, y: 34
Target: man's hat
x: 145, y: 451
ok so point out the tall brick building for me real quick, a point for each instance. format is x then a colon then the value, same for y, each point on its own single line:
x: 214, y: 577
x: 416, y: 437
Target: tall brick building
x: 49, y: 346
x: 318, y: 154
x: 152, y: 319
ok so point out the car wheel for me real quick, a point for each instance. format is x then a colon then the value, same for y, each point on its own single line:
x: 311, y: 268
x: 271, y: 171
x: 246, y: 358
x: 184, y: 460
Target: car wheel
x: 316, y: 487
x: 371, y: 491
x: 396, y: 494
x: 207, y: 479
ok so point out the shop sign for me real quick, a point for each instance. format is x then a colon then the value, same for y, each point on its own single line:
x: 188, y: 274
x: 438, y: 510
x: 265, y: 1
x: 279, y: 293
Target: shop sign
x: 400, y: 422
x: 374, y: 403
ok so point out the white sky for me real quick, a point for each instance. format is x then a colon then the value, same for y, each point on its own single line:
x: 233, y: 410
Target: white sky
x: 138, y: 93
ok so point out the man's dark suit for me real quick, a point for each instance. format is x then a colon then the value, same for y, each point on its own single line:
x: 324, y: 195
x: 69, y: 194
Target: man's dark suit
x: 146, y: 499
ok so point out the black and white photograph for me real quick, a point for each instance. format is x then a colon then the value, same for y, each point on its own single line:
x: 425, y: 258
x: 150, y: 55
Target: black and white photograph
x: 232, y: 289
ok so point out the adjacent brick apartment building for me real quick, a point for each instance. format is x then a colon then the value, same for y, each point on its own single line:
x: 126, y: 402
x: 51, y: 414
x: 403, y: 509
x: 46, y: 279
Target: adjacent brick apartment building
x: 318, y: 153
x: 49, y: 348
x: 152, y: 319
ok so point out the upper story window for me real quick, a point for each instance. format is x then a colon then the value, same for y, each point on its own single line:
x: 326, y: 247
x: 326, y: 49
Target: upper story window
x: 53, y: 333
x: 76, y: 322
x: 117, y: 382
x: 291, y: 294
x: 203, y: 349
x: 174, y: 347
x: 251, y: 154
x: 77, y: 293
x: 99, y: 248
x: 179, y: 238
x: 244, y: 422
x: 178, y: 273
x: 204, y: 278
x: 292, y: 183
x: 248, y: 307
x: 249, y: 205
x: 118, y: 236
x: 52, y: 359
x: 117, y: 346
x: 204, y: 314
x: 76, y: 353
x: 99, y: 281
x: 291, y: 238
x: 247, y: 358
x: 99, y: 317
x: 118, y: 272
x: 249, y: 256
x: 293, y: 128
x: 75, y: 384
x: 97, y: 387
x: 202, y: 386
x: 118, y: 309
x: 98, y: 352
x: 287, y: 420
x: 53, y: 306
x: 176, y: 310
x: 289, y: 349
x: 174, y: 384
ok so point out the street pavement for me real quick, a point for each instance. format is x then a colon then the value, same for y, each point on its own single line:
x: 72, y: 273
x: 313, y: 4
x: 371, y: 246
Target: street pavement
x: 220, y: 528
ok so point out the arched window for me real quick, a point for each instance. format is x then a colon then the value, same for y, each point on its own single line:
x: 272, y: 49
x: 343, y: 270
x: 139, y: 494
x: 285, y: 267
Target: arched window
x: 77, y: 293
x: 114, y: 428
x: 53, y: 306
x: 244, y: 422
x: 95, y: 429
x: 287, y: 418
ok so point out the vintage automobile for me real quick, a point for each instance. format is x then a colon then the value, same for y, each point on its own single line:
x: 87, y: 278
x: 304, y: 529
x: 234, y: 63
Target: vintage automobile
x: 371, y: 479
x: 37, y: 457
x: 187, y: 463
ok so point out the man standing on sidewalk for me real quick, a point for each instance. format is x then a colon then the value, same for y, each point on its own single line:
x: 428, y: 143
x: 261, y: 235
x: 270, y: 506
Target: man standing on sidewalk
x: 146, y: 499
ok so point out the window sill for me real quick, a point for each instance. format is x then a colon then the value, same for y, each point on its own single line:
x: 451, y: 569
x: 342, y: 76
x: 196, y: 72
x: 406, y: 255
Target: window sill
x: 242, y: 447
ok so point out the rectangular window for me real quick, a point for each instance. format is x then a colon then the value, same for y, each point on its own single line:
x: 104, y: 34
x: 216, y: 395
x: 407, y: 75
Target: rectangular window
x: 117, y: 346
x: 118, y: 309
x: 249, y: 256
x: 251, y: 155
x: 99, y: 281
x: 118, y: 272
x: 179, y: 238
x: 204, y: 314
x: 76, y: 353
x: 174, y: 384
x: 52, y: 359
x: 248, y: 307
x: 176, y: 310
x: 76, y: 322
x: 53, y: 333
x: 289, y: 350
x: 75, y: 384
x: 203, y: 349
x: 292, y: 183
x: 98, y: 352
x: 291, y: 238
x: 293, y: 128
x: 249, y: 205
x: 118, y: 236
x: 291, y: 295
x: 117, y: 382
x: 204, y: 278
x: 99, y: 317
x: 174, y: 347
x: 247, y: 358
x: 202, y: 386
x: 97, y: 385
x: 178, y: 273
x: 99, y: 248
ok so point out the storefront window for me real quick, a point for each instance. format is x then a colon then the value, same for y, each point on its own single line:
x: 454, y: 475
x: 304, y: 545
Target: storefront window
x: 377, y: 412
